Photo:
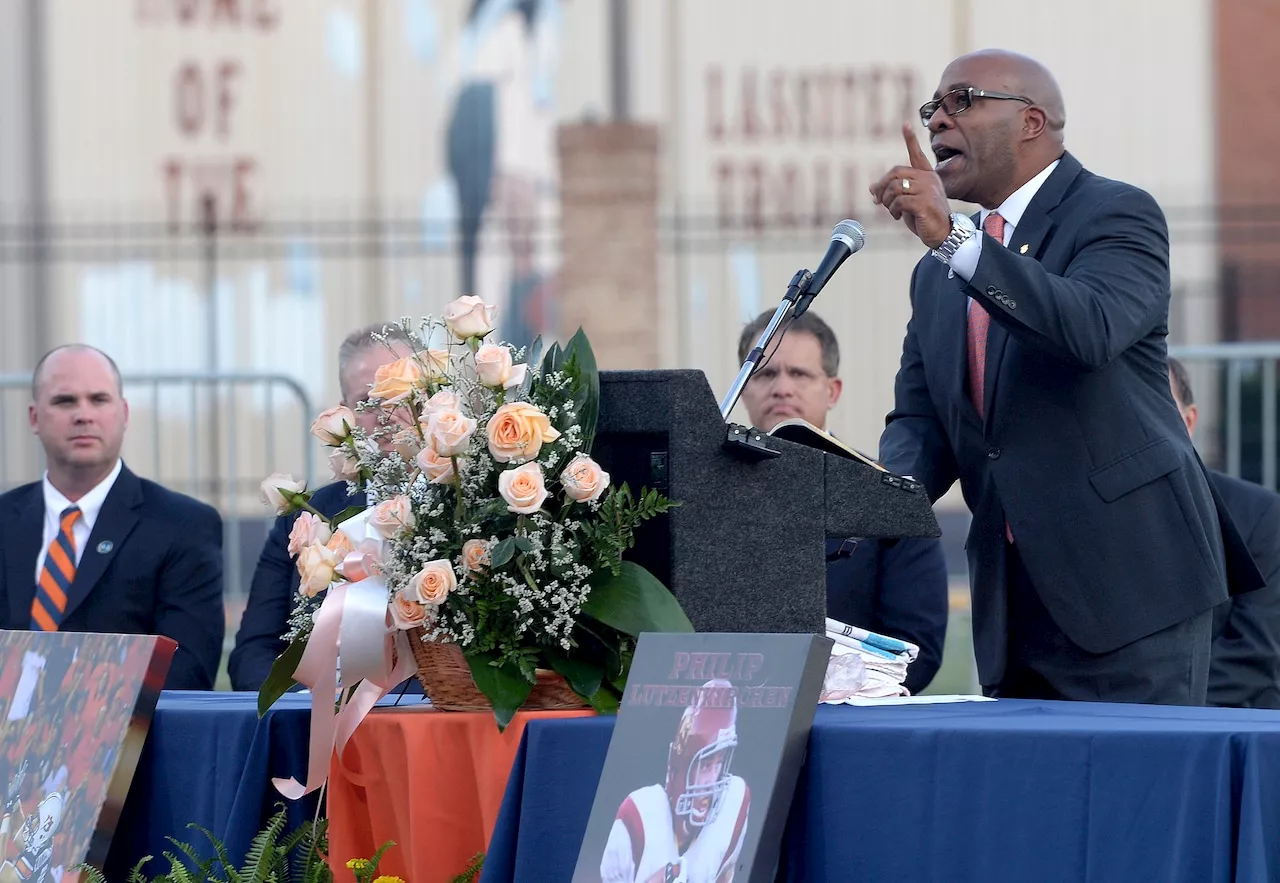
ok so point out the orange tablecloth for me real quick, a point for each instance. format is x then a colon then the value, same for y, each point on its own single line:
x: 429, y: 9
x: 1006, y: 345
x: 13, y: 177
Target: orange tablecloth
x: 432, y: 781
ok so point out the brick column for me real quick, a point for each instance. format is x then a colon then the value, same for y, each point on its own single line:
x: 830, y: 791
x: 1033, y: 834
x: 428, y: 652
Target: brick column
x: 1248, y: 177
x: 609, y: 240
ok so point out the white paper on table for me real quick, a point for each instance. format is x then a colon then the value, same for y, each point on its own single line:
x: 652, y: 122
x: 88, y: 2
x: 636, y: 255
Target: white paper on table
x: 909, y: 700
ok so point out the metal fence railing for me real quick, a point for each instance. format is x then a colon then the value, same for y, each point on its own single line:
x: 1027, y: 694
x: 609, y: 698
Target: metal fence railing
x: 212, y: 436
x: 1238, y: 383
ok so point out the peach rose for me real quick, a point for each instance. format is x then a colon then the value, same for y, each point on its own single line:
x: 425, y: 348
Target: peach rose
x: 494, y: 368
x: 308, y: 530
x: 339, y: 544
x: 434, y: 582
x: 583, y: 479
x: 391, y: 517
x: 437, y: 469
x: 343, y: 466
x: 518, y: 429
x: 406, y: 611
x: 523, y: 488
x: 435, y: 363
x: 333, y: 426
x: 449, y: 432
x: 406, y: 443
x: 278, y: 490
x: 444, y: 400
x: 475, y: 555
x: 469, y: 316
x: 316, y: 565
x: 395, y: 380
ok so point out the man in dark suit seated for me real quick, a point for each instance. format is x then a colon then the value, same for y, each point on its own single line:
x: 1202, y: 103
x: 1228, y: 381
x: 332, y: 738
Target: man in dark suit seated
x: 895, y: 587
x: 1244, y: 663
x: 276, y: 579
x: 93, y: 548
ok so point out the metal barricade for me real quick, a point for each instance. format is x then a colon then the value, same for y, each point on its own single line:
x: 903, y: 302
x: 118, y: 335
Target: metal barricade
x: 212, y: 436
x: 1243, y: 395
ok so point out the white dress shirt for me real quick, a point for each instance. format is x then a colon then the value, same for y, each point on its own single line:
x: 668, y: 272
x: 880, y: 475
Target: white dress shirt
x: 90, y: 505
x: 965, y: 261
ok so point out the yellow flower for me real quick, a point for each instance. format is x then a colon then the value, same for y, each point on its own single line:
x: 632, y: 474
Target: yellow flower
x: 388, y: 879
x: 357, y: 864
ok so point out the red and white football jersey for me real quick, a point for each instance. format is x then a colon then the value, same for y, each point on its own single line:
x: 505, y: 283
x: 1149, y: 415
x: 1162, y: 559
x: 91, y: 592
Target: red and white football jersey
x: 649, y: 825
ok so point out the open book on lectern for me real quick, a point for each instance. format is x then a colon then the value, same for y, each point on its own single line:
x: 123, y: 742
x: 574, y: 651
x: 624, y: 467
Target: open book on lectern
x: 802, y: 432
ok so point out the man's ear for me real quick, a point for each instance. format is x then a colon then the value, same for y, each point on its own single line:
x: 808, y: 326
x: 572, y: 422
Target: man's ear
x: 1191, y: 416
x: 834, y: 387
x: 1035, y: 121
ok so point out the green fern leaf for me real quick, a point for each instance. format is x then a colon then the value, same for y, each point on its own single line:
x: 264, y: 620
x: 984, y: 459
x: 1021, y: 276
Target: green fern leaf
x: 260, y: 859
x: 135, y: 873
x: 377, y: 857
x: 178, y: 872
x: 89, y: 873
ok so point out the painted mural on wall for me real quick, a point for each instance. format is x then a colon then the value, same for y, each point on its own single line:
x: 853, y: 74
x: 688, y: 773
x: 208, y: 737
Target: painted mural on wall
x: 500, y: 155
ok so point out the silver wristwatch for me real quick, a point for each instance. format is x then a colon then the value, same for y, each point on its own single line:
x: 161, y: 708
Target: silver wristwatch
x: 962, y: 230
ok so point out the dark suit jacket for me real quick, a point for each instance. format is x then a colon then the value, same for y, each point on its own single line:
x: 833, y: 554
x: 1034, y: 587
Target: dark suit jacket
x: 162, y: 575
x: 271, y: 595
x: 1244, y: 669
x: 1082, y: 450
x: 896, y: 588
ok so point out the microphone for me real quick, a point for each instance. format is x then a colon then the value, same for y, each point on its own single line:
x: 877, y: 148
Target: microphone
x: 847, y: 238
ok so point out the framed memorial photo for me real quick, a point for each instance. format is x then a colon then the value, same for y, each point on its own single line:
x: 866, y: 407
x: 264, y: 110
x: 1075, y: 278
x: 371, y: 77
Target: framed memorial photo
x: 703, y: 760
x: 74, y: 711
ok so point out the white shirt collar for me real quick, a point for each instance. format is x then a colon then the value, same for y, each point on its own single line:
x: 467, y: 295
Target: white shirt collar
x: 90, y: 504
x: 1013, y: 208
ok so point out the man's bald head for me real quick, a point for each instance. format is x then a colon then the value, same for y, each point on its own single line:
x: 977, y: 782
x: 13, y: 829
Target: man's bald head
x: 57, y: 352
x: 1019, y: 74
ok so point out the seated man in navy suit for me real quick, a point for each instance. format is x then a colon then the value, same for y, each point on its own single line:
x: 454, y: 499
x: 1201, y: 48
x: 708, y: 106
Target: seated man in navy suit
x: 275, y: 581
x: 895, y: 587
x: 1244, y: 660
x: 91, y: 547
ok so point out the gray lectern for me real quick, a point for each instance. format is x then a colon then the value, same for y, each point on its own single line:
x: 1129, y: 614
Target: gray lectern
x: 745, y: 551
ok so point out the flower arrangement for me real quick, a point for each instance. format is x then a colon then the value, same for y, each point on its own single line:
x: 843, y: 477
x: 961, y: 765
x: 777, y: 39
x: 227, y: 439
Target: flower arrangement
x: 488, y: 521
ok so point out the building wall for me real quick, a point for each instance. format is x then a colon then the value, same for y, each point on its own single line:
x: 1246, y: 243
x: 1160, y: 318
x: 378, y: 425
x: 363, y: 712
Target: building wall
x: 321, y: 130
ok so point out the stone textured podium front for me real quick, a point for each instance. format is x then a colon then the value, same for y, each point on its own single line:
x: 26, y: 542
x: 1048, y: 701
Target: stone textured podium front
x: 745, y: 550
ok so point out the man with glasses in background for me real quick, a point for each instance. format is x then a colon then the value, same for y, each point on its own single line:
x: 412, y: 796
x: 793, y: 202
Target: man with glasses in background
x: 265, y: 620
x: 1034, y: 371
x: 896, y: 587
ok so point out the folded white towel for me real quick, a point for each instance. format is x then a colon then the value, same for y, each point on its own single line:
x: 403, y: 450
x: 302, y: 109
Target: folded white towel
x: 865, y: 664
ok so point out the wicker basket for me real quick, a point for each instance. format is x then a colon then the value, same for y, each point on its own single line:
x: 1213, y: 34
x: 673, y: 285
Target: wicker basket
x: 446, y: 679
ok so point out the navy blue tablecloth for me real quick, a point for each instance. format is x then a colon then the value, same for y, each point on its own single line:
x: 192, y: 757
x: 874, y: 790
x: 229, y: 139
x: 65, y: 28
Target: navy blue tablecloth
x: 208, y: 759
x: 993, y: 791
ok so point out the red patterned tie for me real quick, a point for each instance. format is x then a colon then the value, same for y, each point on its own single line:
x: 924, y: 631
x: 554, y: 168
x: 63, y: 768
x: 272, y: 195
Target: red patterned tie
x: 979, y: 323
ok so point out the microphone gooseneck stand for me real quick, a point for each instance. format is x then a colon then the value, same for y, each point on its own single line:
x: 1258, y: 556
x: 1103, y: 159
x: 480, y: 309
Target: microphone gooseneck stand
x: 746, y: 441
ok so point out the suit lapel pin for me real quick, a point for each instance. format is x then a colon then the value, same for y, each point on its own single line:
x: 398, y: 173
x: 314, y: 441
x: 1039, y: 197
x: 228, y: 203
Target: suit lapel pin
x: 105, y: 547
x: 1024, y: 248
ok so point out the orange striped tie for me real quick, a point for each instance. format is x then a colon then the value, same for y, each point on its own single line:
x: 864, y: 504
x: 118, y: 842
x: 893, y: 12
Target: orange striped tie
x: 56, y: 576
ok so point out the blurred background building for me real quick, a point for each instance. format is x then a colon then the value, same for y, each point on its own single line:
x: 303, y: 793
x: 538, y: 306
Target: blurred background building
x: 216, y: 191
